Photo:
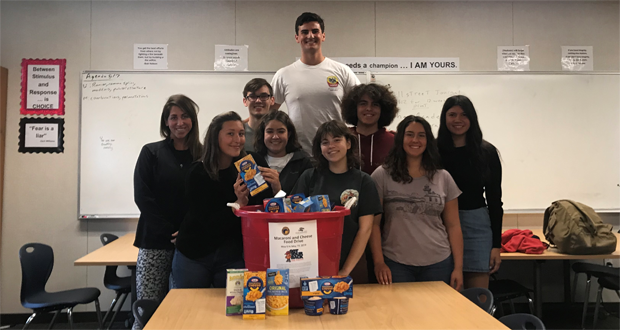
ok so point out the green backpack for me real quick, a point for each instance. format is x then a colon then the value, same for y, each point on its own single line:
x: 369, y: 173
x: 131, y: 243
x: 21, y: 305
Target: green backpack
x: 576, y: 229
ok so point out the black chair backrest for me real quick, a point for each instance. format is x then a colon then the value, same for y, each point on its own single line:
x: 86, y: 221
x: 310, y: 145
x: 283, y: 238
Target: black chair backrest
x: 609, y: 282
x: 143, y: 309
x: 107, y: 238
x: 37, y: 261
x: 595, y: 270
x: 110, y: 271
x: 477, y: 295
x: 522, y: 322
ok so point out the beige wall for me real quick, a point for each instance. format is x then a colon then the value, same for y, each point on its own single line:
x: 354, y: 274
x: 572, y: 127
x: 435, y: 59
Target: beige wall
x: 40, y: 201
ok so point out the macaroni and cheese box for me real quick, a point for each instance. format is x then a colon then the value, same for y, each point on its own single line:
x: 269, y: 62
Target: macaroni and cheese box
x: 251, y: 175
x: 234, y: 291
x: 298, y: 203
x: 327, y: 287
x: 276, y: 205
x: 320, y: 203
x: 254, y: 295
x: 277, y: 291
x: 303, y: 206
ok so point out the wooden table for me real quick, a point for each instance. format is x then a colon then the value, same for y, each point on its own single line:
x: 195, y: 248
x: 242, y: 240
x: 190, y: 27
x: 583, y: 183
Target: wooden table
x: 421, y: 305
x: 552, y: 254
x: 120, y: 252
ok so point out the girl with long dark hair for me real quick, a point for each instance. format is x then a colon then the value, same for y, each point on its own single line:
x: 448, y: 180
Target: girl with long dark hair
x: 276, y: 142
x: 210, y: 239
x: 337, y: 175
x: 159, y: 186
x: 421, y: 239
x: 475, y: 166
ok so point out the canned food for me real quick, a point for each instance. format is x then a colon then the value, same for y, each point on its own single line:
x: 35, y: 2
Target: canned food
x: 339, y: 305
x: 313, y: 306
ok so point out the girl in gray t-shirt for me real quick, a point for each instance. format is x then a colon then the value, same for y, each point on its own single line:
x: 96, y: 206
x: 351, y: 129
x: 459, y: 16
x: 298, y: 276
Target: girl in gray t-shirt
x: 422, y: 239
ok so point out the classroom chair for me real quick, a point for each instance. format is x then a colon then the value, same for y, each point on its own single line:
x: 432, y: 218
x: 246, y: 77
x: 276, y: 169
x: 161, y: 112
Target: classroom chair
x: 590, y: 270
x: 507, y: 290
x: 121, y: 285
x: 37, y: 261
x: 476, y: 294
x: 522, y: 322
x: 143, y: 309
x: 609, y: 280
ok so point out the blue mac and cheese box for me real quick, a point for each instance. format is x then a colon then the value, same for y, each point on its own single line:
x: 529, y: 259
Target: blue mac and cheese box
x: 327, y: 287
x: 277, y: 292
x: 320, y: 203
x: 251, y: 175
x: 276, y: 205
x: 254, y: 295
x: 298, y: 203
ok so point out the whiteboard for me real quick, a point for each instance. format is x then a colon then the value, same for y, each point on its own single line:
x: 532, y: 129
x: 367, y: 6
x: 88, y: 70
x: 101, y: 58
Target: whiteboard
x: 558, y: 133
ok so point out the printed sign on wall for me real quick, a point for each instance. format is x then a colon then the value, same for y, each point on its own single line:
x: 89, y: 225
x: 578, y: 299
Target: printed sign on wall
x: 231, y: 58
x: 150, y: 56
x: 41, y: 135
x: 513, y: 58
x: 43, y: 87
x: 390, y: 64
x: 577, y: 58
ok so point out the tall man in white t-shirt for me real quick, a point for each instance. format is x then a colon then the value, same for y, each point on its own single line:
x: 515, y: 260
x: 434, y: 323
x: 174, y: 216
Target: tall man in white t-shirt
x: 313, y: 86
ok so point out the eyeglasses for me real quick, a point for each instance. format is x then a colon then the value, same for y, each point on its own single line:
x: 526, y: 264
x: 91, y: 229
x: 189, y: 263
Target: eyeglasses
x: 262, y: 97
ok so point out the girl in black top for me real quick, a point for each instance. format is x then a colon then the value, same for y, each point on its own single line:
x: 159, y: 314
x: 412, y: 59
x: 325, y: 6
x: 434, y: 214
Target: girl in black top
x: 476, y: 168
x: 276, y: 142
x: 337, y: 175
x: 159, y: 185
x: 210, y: 239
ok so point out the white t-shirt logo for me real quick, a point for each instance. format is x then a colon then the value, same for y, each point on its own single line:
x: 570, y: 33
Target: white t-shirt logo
x: 332, y: 81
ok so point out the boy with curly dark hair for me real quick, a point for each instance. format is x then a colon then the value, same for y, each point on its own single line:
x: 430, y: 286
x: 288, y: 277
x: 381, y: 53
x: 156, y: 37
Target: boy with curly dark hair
x: 370, y: 108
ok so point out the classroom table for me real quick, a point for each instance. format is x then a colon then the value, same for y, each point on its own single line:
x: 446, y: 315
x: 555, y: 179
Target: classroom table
x: 421, y: 305
x: 120, y: 252
x: 552, y: 254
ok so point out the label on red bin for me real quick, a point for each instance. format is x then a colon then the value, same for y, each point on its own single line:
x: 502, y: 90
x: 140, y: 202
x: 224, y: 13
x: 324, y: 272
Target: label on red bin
x: 294, y: 246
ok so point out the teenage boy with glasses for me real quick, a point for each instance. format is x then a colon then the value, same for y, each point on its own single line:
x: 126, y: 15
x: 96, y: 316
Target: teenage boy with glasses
x: 258, y: 98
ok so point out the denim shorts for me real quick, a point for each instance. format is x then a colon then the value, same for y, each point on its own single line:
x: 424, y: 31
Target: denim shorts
x: 441, y: 271
x: 477, y: 239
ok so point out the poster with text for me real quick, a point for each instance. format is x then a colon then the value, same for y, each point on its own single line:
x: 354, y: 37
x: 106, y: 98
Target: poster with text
x: 513, y: 58
x: 43, y: 87
x: 294, y: 246
x: 577, y: 58
x: 231, y: 58
x: 150, y: 56
x: 41, y: 135
x: 361, y: 65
